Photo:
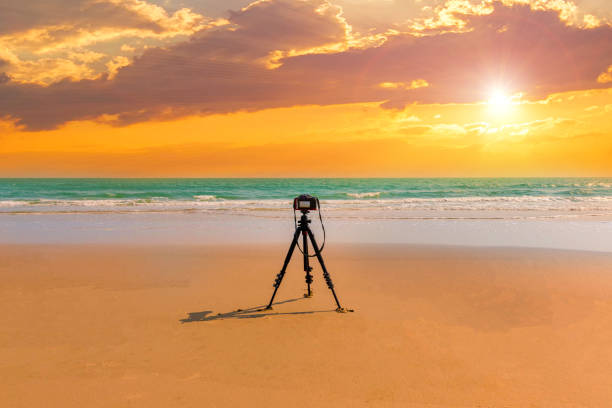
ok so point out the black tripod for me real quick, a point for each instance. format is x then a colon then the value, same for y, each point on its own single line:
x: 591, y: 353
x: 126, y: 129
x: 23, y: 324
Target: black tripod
x: 304, y: 229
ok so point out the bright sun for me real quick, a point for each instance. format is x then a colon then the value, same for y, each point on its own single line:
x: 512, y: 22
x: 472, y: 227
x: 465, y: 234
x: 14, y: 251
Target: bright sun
x: 499, y: 101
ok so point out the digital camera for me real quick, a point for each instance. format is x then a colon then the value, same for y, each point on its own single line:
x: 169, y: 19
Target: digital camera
x: 305, y: 202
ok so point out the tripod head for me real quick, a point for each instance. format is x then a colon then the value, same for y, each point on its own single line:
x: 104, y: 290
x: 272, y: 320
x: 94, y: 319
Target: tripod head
x: 306, y: 203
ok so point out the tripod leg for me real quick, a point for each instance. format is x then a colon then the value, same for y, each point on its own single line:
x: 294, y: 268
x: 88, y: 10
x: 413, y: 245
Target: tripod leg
x: 330, y: 284
x: 307, y: 267
x: 281, y: 274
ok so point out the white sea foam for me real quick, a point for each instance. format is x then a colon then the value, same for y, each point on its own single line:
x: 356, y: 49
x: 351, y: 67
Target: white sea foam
x: 462, y: 207
x: 205, y: 197
x: 10, y: 203
x: 364, y: 195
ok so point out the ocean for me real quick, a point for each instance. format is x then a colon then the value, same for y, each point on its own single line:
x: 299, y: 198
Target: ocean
x: 563, y: 213
x: 392, y: 197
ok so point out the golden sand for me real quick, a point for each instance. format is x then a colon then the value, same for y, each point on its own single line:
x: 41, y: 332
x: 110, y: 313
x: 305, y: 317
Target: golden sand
x: 96, y: 326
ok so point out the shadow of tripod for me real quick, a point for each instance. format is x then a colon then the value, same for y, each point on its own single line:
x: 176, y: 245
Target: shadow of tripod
x: 250, y: 313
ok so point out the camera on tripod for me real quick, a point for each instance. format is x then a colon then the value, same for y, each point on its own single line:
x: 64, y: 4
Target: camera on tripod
x: 305, y: 202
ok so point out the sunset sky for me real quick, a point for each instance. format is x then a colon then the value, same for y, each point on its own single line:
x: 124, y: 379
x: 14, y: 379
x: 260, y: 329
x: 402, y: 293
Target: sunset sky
x: 292, y: 88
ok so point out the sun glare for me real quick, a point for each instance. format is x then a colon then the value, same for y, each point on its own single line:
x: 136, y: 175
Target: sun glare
x: 499, y: 101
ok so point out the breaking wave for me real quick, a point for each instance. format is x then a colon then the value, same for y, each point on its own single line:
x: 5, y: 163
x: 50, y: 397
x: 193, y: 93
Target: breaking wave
x: 370, y: 198
x: 205, y: 197
x: 498, y: 207
x: 364, y: 195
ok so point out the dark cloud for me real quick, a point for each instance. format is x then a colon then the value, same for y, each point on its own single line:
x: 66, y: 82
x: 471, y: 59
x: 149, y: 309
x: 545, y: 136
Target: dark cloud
x: 223, y: 70
x: 4, y: 78
x: 215, y: 71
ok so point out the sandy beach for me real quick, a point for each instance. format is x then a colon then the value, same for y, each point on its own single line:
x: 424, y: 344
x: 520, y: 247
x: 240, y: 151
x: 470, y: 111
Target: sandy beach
x: 138, y: 326
x: 452, y: 157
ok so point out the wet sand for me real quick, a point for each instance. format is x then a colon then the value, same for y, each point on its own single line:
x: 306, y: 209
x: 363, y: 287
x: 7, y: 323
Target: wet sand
x: 138, y: 326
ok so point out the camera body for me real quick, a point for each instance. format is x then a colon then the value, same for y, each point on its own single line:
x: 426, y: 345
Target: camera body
x: 306, y: 202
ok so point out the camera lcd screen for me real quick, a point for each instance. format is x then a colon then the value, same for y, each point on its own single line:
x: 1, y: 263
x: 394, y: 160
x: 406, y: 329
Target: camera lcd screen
x: 304, y: 204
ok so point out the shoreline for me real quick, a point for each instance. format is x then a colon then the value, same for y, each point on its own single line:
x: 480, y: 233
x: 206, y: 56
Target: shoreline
x: 203, y: 228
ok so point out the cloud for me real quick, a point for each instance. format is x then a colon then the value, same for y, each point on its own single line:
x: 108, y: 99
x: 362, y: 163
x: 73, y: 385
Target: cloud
x: 115, y: 64
x: 39, y: 35
x: 48, y: 70
x: 415, y: 84
x: 317, y: 60
x: 427, y: 16
x: 23, y: 16
x: 605, y: 76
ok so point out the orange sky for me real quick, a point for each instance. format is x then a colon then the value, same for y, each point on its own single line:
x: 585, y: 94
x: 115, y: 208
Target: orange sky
x: 297, y: 88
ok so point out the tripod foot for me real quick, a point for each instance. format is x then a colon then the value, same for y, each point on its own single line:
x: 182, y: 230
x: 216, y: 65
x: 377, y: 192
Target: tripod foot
x: 308, y: 295
x: 343, y: 310
x: 267, y: 308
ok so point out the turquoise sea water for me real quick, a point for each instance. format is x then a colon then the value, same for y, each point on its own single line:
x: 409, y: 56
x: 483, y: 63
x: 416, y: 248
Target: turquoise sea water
x: 570, y: 213
x: 78, y: 195
x: 263, y: 189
